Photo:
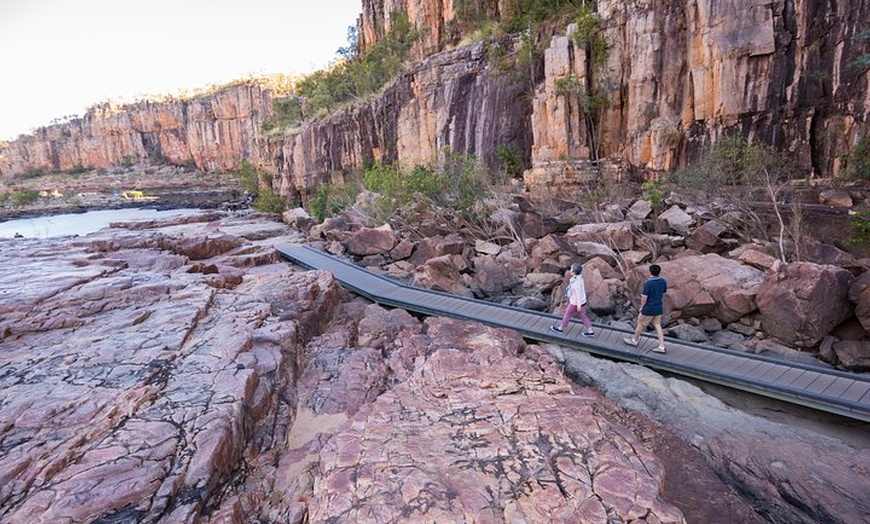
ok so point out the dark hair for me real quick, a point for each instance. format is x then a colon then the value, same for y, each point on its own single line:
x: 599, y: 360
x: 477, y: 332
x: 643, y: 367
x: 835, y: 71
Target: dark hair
x: 577, y: 268
x: 655, y: 269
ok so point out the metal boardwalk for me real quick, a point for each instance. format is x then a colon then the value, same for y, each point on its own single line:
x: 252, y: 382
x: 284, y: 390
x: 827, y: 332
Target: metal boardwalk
x: 827, y: 390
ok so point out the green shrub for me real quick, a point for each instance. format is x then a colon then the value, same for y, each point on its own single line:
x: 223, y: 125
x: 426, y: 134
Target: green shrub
x: 859, y: 223
x: 732, y: 161
x: 249, y: 178
x: 652, y: 193
x: 35, y: 172
x: 348, y: 80
x: 269, y: 201
x: 331, y: 200
x: 25, y: 197
x: 287, y: 114
x: 858, y: 161
x: 509, y: 160
x: 589, y: 36
x: 458, y: 183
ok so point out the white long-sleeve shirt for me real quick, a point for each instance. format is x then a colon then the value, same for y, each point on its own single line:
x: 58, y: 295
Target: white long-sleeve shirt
x: 577, y: 290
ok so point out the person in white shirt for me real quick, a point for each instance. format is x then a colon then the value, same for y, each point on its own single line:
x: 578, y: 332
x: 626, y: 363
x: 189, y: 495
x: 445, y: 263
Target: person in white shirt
x: 576, y: 295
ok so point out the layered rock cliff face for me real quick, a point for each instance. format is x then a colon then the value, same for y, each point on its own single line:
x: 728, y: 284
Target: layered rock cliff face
x: 676, y: 76
x: 212, y: 133
x: 452, y: 102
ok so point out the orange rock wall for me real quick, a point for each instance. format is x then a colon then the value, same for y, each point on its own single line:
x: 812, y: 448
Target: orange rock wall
x: 212, y: 132
x: 678, y: 74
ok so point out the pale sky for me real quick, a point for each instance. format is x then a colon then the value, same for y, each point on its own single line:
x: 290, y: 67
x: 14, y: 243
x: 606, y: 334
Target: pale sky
x: 58, y: 57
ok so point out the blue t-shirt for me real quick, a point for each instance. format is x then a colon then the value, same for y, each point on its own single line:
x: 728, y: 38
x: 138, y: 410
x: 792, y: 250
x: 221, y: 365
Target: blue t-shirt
x: 654, y: 289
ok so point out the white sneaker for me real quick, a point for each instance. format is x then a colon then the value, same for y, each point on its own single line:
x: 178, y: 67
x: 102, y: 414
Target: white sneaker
x: 630, y: 341
x: 660, y: 349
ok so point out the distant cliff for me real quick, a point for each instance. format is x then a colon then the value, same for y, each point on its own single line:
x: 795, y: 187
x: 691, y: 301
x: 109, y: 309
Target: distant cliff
x: 676, y: 75
x: 211, y: 132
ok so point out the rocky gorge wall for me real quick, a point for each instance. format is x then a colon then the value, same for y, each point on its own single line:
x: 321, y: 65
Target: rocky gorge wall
x: 676, y: 75
x: 452, y: 101
x: 210, y: 132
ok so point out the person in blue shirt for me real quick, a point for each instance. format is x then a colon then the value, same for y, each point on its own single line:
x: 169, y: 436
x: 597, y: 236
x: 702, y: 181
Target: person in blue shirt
x: 651, y: 308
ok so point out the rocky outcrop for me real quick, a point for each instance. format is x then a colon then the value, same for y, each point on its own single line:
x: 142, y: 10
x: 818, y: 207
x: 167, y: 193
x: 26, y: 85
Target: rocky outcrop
x: 736, y: 438
x: 179, y: 372
x: 213, y: 133
x: 746, y: 298
x: 141, y: 387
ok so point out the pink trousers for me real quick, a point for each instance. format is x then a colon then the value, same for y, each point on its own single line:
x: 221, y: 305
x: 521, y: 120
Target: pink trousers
x: 570, y: 311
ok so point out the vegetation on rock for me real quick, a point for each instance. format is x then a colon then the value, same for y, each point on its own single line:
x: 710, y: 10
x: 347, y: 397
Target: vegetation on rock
x: 349, y: 79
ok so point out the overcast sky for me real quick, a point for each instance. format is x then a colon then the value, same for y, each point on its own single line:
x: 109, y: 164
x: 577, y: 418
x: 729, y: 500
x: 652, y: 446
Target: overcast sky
x: 59, y: 57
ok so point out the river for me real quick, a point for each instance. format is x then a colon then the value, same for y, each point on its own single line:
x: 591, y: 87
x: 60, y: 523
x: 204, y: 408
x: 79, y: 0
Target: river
x: 82, y: 223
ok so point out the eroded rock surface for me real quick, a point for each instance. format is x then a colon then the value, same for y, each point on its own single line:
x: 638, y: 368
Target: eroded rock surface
x: 184, y: 372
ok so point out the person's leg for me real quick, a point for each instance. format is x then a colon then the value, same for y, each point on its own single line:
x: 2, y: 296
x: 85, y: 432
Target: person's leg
x: 584, y: 317
x: 657, y: 323
x: 642, y: 322
x: 570, y: 311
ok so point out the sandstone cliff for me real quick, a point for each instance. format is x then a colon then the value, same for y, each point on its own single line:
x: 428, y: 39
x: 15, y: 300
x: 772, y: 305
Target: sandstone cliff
x: 676, y: 75
x: 451, y: 101
x: 211, y: 132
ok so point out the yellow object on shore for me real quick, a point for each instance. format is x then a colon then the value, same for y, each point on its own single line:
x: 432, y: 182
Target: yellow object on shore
x: 137, y: 195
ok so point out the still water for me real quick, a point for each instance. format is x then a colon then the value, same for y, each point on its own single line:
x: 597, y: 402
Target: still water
x: 82, y: 223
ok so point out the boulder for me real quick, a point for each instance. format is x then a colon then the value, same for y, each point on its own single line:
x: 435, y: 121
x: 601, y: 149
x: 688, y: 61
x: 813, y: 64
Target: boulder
x: 704, y: 285
x: 804, y: 302
x: 835, y: 198
x: 822, y: 253
x: 441, y: 273
x: 490, y: 278
x: 618, y: 235
x: 487, y: 248
x: 674, y: 219
x: 689, y: 332
x: 437, y: 246
x: 372, y: 241
x: 541, y: 282
x: 523, y: 224
x: 402, y: 250
x: 853, y: 354
x: 588, y: 250
x: 640, y: 210
x: 599, y: 294
x: 859, y: 295
x: 760, y: 260
x: 551, y: 246
x: 708, y: 238
x: 298, y: 218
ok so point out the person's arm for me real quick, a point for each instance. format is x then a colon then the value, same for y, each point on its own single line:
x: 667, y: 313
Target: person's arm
x: 642, y: 301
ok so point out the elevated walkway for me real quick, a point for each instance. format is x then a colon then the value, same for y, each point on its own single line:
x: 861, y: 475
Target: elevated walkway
x: 827, y: 390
